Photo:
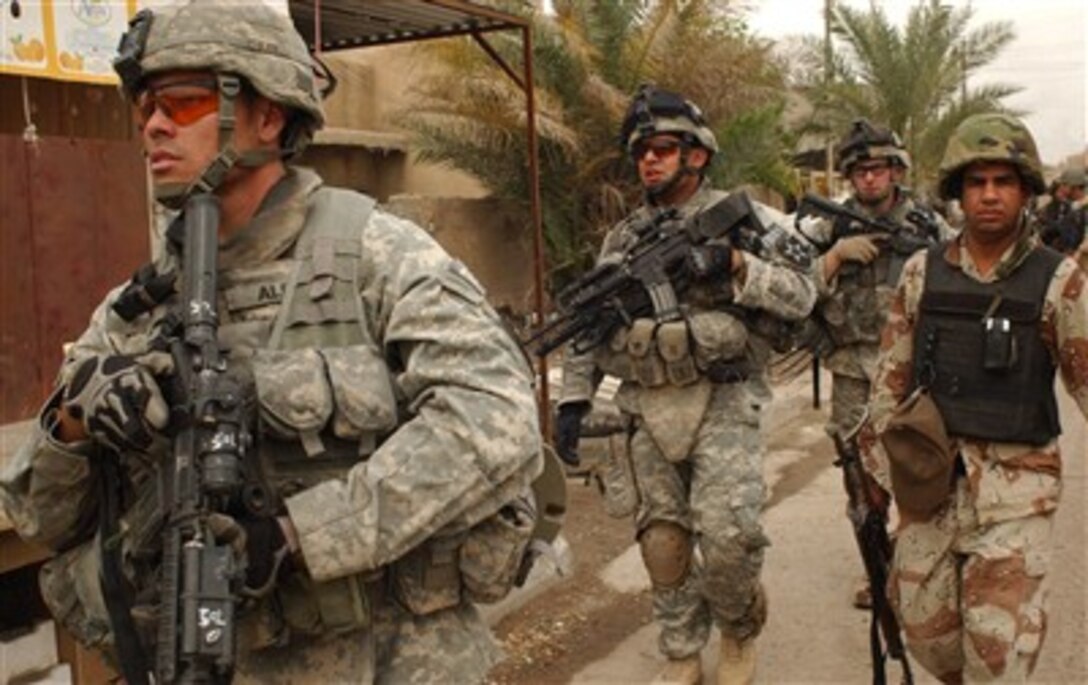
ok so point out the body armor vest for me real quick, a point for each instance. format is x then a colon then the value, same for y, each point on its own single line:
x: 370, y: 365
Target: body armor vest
x: 322, y: 312
x: 856, y: 311
x: 978, y: 348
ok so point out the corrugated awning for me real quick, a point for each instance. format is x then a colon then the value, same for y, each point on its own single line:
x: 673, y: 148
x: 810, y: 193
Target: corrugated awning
x: 358, y: 23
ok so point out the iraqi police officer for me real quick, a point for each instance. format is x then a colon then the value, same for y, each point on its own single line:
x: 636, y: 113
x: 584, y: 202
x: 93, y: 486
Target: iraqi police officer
x: 978, y: 328
x: 691, y: 394
x: 393, y: 418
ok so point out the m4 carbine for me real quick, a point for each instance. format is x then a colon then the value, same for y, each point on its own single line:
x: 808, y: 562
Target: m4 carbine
x: 651, y: 275
x: 201, y: 580
x: 902, y: 240
x: 869, y: 521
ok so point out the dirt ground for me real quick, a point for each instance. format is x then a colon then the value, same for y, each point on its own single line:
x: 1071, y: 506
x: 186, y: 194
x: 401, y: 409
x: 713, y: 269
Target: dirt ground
x: 581, y: 619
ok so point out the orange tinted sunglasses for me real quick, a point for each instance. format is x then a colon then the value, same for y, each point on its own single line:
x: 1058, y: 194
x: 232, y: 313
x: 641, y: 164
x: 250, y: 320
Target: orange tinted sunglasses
x: 182, y: 103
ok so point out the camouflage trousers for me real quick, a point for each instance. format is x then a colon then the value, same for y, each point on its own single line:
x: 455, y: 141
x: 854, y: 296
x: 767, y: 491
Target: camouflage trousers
x: 969, y: 596
x: 449, y: 646
x: 849, y: 398
x: 716, y: 493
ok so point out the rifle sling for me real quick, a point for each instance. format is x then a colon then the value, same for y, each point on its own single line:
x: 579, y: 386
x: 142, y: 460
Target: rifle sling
x: 115, y: 591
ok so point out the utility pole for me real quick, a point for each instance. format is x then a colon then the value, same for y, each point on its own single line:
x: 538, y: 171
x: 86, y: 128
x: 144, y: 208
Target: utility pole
x: 829, y: 169
x: 828, y: 76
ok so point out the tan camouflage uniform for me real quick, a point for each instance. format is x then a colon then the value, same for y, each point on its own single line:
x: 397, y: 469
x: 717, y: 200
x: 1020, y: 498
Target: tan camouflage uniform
x: 967, y: 584
x: 696, y: 451
x: 855, y: 315
x: 438, y: 410
x: 1081, y: 254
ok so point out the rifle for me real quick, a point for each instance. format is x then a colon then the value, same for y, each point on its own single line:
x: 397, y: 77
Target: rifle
x: 918, y: 233
x: 652, y: 274
x: 870, y: 531
x: 201, y: 581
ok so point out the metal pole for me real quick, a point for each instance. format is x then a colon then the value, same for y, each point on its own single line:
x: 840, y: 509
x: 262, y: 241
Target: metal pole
x: 829, y: 171
x: 829, y: 161
x: 538, y: 224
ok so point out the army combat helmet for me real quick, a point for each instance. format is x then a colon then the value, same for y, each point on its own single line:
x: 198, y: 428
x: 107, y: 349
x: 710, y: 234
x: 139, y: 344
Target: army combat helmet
x: 242, y: 43
x: 654, y: 111
x: 864, y: 142
x: 1073, y: 177
x: 992, y: 137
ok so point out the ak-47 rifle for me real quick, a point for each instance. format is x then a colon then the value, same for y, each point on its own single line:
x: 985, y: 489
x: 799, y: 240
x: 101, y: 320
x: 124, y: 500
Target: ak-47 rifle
x: 870, y: 530
x: 650, y: 277
x: 201, y: 580
x: 917, y: 233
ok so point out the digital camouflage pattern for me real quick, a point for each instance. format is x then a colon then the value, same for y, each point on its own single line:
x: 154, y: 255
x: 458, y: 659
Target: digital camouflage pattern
x: 249, y: 39
x: 854, y: 308
x: 462, y: 441
x: 713, y: 486
x: 654, y: 112
x: 1000, y: 512
x: 864, y: 141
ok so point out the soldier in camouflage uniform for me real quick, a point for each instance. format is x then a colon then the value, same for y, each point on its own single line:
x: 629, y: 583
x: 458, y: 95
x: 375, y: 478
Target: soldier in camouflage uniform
x: 1063, y: 220
x: 394, y: 422
x: 982, y: 323
x: 691, y: 394
x: 854, y: 274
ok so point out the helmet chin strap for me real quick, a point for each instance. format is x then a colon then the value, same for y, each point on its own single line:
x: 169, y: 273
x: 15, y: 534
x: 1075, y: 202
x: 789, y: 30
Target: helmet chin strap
x: 175, y: 195
x: 658, y: 191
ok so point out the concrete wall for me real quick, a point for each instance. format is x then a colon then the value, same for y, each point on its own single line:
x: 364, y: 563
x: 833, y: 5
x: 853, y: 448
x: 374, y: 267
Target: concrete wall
x: 492, y: 237
x: 374, y: 87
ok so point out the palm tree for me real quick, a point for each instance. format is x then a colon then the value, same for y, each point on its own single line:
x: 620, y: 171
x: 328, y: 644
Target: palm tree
x: 912, y: 79
x: 589, y: 58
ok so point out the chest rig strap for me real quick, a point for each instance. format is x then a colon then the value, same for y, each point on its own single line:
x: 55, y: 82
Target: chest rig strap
x: 335, y: 219
x: 333, y: 227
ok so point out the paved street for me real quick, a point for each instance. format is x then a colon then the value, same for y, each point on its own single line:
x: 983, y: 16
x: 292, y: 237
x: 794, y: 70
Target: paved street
x: 813, y: 634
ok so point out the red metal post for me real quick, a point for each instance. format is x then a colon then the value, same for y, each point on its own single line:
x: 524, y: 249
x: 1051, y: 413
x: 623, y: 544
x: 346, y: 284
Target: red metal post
x: 538, y: 224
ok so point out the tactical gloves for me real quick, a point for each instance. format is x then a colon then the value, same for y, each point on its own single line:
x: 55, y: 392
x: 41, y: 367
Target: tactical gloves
x: 259, y: 543
x: 857, y: 248
x: 568, y: 428
x: 118, y: 400
x: 711, y: 261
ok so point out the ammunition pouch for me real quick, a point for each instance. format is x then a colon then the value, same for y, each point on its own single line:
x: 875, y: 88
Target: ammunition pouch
x: 491, y: 557
x: 674, y: 346
x: 648, y: 366
x: 427, y: 579
x: 720, y: 340
x: 678, y: 353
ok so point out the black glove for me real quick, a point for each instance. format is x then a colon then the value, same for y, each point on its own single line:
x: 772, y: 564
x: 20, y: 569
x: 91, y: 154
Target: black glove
x: 266, y: 550
x: 711, y: 261
x: 259, y: 542
x: 118, y: 400
x: 568, y: 428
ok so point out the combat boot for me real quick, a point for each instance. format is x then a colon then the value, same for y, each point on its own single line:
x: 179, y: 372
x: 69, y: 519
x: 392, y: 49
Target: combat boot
x: 737, y: 662
x: 686, y: 671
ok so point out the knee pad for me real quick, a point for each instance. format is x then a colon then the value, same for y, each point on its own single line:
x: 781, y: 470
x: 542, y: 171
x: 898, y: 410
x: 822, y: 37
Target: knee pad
x: 666, y: 552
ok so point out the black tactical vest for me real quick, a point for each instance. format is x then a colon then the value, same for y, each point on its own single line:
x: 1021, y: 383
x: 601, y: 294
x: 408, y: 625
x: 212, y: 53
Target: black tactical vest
x: 978, y: 347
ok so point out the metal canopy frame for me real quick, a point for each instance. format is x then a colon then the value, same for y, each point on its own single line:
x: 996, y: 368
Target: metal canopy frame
x: 329, y: 25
